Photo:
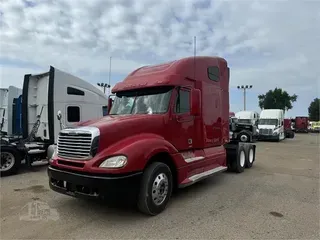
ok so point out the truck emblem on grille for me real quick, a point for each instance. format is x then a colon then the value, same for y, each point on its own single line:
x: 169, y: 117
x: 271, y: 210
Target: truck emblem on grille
x: 73, y: 133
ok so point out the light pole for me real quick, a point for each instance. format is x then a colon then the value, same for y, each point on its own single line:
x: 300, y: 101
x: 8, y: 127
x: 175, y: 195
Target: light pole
x: 104, y: 85
x: 244, y: 88
x: 110, y: 76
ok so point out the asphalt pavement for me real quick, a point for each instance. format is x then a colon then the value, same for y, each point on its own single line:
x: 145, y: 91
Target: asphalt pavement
x: 278, y: 198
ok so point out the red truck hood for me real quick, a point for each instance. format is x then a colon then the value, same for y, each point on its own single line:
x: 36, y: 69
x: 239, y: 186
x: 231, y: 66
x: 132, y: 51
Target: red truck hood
x: 113, y: 128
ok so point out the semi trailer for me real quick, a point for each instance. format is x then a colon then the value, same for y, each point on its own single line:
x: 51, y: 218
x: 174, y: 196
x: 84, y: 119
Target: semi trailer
x: 168, y: 128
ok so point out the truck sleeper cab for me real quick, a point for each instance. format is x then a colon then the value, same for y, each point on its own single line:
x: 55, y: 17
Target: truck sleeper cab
x: 43, y: 95
x: 170, y: 128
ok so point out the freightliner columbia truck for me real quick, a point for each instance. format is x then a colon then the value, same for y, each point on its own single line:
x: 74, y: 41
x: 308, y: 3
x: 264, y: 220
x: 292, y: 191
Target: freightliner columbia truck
x: 168, y: 128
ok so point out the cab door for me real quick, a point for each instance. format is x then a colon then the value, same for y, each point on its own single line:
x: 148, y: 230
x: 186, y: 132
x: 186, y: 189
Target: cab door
x: 182, y: 122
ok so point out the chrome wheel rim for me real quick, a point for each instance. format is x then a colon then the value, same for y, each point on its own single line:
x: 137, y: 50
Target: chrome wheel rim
x: 244, y: 138
x: 160, y: 188
x: 7, y: 161
x: 251, y: 156
x: 242, y: 158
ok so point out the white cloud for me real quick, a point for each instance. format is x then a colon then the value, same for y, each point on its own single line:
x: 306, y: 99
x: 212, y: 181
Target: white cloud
x: 13, y: 76
x: 267, y: 43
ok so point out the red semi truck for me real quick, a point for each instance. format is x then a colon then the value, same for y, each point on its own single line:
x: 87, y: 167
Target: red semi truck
x: 288, y: 131
x: 168, y: 128
x: 301, y: 124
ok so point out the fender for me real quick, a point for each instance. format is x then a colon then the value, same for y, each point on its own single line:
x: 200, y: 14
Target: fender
x: 246, y: 131
x: 138, y: 149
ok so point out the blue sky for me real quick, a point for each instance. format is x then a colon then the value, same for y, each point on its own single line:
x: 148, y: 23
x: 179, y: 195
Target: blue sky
x: 268, y: 44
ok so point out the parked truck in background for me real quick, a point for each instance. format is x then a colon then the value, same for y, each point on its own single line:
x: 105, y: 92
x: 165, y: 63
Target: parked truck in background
x: 288, y: 130
x: 43, y: 95
x: 314, y: 127
x: 246, y: 126
x: 301, y: 124
x: 168, y: 128
x: 271, y: 125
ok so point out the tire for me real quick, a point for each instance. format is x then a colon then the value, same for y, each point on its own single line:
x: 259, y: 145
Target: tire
x: 156, y: 174
x: 239, y: 163
x: 250, y: 157
x: 244, y: 137
x: 10, y: 161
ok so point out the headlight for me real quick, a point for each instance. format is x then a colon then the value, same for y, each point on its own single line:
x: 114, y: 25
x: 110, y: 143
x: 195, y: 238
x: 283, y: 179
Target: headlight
x: 52, y: 152
x: 114, y: 162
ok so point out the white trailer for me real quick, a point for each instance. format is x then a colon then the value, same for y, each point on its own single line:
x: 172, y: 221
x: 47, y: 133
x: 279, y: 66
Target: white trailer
x: 271, y: 125
x: 43, y: 96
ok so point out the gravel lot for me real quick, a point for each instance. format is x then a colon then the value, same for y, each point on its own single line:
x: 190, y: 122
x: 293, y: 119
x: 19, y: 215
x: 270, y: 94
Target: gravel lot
x: 277, y: 198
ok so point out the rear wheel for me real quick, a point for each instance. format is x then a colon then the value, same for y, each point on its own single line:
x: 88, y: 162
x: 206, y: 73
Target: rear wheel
x: 10, y: 161
x: 292, y: 134
x: 156, y: 189
x: 250, y: 157
x: 238, y: 164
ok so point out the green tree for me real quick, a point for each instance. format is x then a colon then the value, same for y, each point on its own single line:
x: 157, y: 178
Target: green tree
x: 314, y: 110
x: 277, y: 99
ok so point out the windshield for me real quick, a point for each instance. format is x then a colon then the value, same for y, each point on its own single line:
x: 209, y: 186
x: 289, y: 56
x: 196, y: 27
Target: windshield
x: 144, y: 101
x: 268, y: 122
x: 244, y: 121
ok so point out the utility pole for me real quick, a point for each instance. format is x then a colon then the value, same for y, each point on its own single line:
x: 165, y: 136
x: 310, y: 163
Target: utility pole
x: 244, y: 88
x: 106, y: 85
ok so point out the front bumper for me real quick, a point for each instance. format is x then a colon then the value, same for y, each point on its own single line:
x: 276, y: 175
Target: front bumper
x: 268, y: 137
x: 85, y: 185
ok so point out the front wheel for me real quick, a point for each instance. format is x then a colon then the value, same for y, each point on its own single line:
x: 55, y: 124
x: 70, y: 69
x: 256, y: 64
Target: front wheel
x: 244, y: 137
x: 10, y: 161
x: 156, y: 189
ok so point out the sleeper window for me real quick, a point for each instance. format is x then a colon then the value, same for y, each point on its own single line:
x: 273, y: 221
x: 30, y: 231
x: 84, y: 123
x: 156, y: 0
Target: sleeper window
x: 213, y: 73
x: 183, y: 102
x: 74, y: 91
x: 73, y: 114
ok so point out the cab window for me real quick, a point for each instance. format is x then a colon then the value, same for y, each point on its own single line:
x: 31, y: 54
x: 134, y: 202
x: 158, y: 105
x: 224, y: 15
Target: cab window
x: 182, y: 102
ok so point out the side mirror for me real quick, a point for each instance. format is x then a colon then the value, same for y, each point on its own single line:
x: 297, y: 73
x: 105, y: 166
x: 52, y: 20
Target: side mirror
x: 195, y: 102
x: 59, y: 115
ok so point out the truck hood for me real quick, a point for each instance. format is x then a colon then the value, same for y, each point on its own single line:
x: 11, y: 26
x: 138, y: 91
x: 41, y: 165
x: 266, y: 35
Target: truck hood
x: 114, y: 128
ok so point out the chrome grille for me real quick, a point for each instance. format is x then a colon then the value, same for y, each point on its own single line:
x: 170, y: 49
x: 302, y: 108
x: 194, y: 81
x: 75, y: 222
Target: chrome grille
x: 74, y: 145
x: 265, y: 131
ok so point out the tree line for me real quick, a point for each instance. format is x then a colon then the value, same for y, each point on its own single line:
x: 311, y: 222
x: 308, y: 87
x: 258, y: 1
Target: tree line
x: 280, y: 99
